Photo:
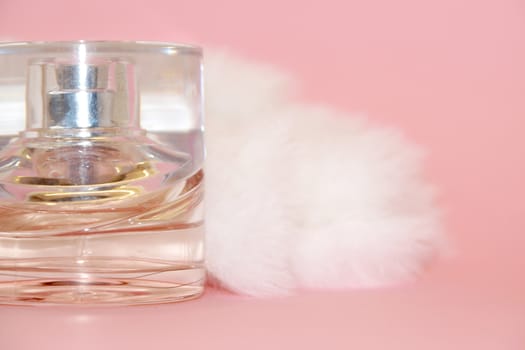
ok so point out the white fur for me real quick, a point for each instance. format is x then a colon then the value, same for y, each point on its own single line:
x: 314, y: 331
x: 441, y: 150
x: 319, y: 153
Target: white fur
x: 300, y: 196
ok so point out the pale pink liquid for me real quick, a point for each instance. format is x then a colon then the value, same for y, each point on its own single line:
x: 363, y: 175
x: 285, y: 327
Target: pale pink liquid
x: 145, y: 248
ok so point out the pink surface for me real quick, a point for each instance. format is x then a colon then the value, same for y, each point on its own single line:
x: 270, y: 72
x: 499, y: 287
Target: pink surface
x: 449, y: 73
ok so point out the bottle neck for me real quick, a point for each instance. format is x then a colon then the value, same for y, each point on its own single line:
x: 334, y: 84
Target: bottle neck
x: 82, y: 133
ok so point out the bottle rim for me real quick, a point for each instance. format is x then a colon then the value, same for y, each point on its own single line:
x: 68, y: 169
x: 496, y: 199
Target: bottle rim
x: 128, y: 46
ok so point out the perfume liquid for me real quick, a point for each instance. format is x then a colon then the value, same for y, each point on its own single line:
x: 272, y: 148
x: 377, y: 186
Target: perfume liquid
x: 93, y: 209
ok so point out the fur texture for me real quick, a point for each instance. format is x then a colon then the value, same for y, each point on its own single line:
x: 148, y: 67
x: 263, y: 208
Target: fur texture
x: 301, y: 196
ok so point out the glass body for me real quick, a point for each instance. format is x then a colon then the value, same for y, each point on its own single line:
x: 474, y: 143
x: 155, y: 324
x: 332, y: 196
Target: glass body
x: 101, y: 181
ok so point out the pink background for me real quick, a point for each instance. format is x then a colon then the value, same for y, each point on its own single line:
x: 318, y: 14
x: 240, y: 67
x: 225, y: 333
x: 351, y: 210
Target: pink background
x: 450, y: 73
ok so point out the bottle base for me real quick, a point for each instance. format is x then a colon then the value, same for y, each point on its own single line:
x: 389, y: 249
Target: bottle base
x: 98, y: 281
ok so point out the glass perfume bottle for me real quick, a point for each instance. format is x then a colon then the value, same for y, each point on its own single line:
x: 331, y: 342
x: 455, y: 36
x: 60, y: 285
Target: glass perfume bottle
x: 97, y: 205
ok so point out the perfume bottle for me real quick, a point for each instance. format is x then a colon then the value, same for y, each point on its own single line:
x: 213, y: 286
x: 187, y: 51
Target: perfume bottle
x: 101, y: 194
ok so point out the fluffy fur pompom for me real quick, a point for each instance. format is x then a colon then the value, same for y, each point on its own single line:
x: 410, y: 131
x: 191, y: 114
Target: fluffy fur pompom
x: 300, y: 196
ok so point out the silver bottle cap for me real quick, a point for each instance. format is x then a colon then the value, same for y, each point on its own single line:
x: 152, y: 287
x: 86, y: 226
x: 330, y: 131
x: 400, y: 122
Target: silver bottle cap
x: 81, y: 95
x: 81, y: 101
